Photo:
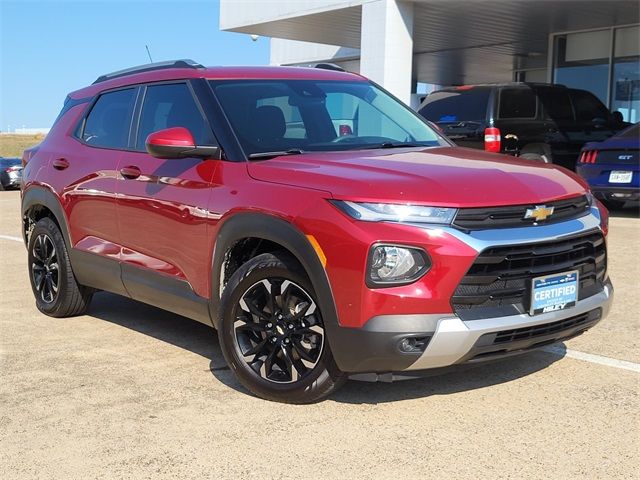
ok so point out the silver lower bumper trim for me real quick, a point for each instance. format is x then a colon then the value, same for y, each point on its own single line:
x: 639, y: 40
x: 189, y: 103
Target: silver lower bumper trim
x: 455, y: 338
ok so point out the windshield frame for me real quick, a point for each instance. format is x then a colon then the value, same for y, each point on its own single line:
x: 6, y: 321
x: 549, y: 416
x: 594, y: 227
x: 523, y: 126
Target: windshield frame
x: 440, y: 139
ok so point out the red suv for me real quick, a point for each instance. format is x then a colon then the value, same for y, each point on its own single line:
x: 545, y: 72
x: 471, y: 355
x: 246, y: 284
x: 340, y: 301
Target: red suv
x: 322, y: 227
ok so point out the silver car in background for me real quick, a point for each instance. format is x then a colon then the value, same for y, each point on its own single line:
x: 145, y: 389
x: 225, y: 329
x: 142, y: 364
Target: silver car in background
x: 10, y: 173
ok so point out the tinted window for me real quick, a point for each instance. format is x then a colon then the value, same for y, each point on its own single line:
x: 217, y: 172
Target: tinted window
x: 108, y: 123
x: 556, y: 104
x: 517, y: 103
x: 456, y: 106
x: 167, y: 106
x: 631, y: 132
x: 588, y: 107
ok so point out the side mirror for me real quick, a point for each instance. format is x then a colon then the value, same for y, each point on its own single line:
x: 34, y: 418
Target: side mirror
x: 177, y: 142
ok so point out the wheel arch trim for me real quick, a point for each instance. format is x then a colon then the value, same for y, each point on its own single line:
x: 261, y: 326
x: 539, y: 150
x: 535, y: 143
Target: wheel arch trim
x: 39, y: 195
x: 276, y: 230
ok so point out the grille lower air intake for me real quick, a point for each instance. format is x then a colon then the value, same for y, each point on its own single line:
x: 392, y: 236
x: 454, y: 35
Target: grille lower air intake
x: 508, y: 342
x: 499, y: 281
x: 513, y: 215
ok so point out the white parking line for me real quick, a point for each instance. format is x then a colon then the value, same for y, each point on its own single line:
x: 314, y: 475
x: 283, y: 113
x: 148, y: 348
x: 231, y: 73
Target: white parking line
x: 9, y: 237
x: 590, y: 357
x: 556, y: 350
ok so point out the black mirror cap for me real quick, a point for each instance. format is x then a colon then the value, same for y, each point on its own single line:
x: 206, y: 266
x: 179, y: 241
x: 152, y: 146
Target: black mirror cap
x: 175, y: 152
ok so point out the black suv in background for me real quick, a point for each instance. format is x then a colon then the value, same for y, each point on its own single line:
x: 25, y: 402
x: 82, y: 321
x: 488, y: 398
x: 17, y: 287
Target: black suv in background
x: 549, y: 123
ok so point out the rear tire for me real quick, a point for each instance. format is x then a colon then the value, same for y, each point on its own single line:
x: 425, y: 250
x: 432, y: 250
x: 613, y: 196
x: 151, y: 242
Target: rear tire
x: 54, y: 286
x: 272, y: 332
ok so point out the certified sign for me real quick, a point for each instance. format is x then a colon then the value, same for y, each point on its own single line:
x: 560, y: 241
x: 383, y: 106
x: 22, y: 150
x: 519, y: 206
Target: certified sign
x: 554, y: 292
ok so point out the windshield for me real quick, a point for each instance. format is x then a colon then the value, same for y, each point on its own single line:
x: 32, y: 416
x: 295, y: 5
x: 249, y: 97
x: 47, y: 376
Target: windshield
x: 309, y: 115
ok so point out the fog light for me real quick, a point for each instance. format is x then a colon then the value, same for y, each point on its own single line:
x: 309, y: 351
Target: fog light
x: 396, y: 265
x: 413, y: 344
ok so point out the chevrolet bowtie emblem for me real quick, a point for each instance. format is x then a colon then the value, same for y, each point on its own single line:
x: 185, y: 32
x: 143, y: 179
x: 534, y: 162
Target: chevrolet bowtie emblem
x: 539, y: 213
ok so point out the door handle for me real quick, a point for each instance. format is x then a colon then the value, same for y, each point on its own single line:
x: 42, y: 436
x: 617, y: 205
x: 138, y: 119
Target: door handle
x: 131, y: 172
x: 60, y: 163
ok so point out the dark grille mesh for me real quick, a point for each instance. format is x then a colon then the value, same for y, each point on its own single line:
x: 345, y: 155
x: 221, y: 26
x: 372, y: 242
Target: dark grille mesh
x: 500, y: 278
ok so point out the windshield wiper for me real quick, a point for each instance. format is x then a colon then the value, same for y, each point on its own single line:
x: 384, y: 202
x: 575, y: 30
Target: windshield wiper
x: 267, y: 155
x: 397, y: 145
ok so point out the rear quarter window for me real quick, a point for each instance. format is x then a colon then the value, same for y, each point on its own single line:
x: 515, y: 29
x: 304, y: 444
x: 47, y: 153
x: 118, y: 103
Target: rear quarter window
x: 449, y: 106
x: 556, y: 104
x: 109, y: 120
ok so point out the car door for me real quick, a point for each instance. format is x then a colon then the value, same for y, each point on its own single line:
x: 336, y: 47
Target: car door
x: 162, y: 215
x: 89, y: 170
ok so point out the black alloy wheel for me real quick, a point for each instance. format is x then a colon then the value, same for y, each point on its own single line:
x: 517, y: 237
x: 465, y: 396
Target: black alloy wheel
x: 272, y: 332
x: 278, y: 330
x: 44, y: 268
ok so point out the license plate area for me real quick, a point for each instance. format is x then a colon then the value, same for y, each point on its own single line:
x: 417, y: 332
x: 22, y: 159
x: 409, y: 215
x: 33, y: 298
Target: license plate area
x: 620, y: 176
x: 554, y: 292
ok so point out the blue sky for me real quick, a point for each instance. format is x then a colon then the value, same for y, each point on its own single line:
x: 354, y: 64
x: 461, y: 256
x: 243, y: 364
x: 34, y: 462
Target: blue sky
x: 49, y: 48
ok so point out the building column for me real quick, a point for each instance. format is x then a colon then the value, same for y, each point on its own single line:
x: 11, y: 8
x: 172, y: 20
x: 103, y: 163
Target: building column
x: 386, y: 45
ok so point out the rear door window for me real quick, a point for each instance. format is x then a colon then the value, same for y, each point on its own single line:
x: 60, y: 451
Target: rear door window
x: 556, y: 104
x: 109, y: 121
x: 171, y: 105
x: 517, y: 103
x: 452, y: 106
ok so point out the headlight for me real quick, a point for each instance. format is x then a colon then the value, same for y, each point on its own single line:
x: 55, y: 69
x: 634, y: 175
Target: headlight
x: 395, y: 265
x: 393, y: 212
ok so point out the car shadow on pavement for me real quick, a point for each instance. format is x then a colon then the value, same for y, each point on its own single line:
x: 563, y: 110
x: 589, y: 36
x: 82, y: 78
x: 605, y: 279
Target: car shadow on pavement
x: 632, y: 210
x: 459, y: 378
x: 202, y: 340
x: 160, y: 324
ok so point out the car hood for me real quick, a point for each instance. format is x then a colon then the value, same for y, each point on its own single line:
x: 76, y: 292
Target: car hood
x: 440, y: 176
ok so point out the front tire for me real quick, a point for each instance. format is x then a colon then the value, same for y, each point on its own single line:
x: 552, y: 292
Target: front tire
x: 54, y: 286
x: 272, y: 333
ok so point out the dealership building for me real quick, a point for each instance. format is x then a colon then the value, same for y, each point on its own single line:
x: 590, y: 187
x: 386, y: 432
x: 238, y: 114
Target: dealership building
x: 402, y: 45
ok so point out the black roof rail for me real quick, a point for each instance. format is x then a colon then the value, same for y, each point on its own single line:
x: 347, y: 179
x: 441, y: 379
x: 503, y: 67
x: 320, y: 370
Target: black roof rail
x: 324, y: 66
x: 149, y: 67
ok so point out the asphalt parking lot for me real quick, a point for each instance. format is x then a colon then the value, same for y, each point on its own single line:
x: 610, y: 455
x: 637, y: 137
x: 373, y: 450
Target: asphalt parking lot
x: 130, y: 391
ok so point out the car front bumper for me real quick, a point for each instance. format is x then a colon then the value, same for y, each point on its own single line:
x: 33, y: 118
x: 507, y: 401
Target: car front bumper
x: 450, y: 339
